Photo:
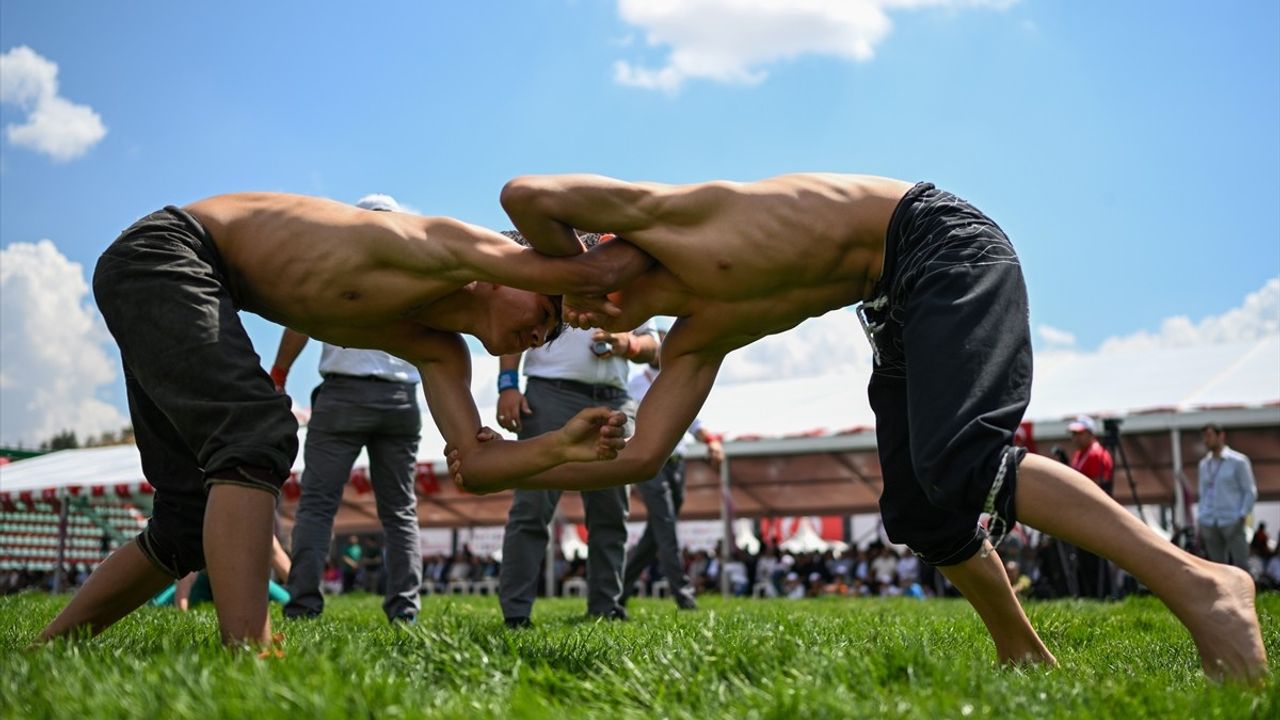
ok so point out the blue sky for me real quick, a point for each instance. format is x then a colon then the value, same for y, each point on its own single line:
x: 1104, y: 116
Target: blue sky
x: 1131, y: 150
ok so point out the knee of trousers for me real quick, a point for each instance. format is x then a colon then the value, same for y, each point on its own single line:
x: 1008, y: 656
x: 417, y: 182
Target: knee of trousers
x: 935, y: 535
x: 174, y: 538
x: 265, y: 465
x: 972, y: 483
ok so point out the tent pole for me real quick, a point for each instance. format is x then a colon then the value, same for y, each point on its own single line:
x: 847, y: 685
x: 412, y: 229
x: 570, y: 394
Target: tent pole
x: 59, y: 573
x: 1179, y: 491
x: 726, y: 546
x: 549, y: 557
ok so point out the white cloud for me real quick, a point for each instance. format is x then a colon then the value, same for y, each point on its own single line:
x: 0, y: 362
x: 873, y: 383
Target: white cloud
x: 1054, y: 336
x: 818, y: 346
x: 53, y: 349
x: 1258, y: 317
x: 732, y: 41
x: 54, y: 126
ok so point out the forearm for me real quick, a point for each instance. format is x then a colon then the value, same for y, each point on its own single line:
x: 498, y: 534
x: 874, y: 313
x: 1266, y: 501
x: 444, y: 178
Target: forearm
x: 291, y: 344
x: 628, y: 468
x: 502, y: 464
x: 615, y: 264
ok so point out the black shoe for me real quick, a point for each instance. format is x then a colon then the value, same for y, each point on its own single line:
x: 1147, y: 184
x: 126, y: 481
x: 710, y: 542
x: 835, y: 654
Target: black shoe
x: 404, y: 620
x: 302, y: 615
x: 618, y: 613
x: 518, y: 623
x: 685, y: 599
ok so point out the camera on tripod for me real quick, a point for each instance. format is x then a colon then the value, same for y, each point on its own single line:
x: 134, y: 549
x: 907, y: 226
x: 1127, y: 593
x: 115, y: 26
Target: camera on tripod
x: 1111, y: 432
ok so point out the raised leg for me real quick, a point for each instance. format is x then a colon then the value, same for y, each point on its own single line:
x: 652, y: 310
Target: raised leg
x: 1214, y: 602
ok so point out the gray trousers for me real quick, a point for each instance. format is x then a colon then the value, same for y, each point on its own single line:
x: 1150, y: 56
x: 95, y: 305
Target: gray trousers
x: 348, y: 414
x: 663, y: 495
x: 1226, y: 544
x: 524, y: 545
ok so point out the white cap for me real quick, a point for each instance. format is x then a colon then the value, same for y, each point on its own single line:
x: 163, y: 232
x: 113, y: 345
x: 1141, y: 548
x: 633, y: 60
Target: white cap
x: 378, y: 202
x: 1083, y: 423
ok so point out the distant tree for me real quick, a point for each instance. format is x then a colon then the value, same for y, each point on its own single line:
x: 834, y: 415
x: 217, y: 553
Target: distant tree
x: 65, y: 440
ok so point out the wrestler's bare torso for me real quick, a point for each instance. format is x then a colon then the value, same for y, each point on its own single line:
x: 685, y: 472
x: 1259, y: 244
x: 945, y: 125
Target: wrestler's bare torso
x: 332, y: 271
x: 738, y: 261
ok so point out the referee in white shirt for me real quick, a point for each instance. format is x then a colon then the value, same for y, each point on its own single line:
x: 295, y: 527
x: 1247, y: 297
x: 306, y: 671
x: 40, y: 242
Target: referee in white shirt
x: 367, y: 399
x: 581, y: 369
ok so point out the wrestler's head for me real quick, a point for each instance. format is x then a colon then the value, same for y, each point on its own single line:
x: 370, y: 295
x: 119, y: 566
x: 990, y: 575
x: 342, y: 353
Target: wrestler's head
x: 516, y: 320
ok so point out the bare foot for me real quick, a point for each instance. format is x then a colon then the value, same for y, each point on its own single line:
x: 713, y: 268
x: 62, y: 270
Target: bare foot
x: 1032, y: 653
x: 1219, y: 611
x: 1041, y: 656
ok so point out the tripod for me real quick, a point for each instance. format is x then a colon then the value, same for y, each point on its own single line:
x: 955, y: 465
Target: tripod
x: 1111, y: 440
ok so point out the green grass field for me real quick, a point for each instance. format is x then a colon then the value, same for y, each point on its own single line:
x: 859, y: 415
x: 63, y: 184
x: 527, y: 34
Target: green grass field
x: 738, y: 659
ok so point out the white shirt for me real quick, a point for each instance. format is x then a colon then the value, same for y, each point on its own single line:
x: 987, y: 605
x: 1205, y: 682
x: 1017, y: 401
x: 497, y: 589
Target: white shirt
x: 1227, y: 488
x: 336, y: 360
x: 639, y: 386
x: 569, y: 357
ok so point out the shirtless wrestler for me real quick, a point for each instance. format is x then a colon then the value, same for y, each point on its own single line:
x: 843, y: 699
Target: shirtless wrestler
x: 943, y: 301
x: 216, y: 439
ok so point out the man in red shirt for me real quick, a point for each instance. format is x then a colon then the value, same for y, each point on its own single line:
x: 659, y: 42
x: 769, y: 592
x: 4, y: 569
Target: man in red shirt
x: 1090, y: 458
x: 1094, y: 462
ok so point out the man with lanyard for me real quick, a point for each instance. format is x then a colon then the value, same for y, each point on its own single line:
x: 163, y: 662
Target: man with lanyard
x: 1094, y: 462
x: 663, y: 495
x: 581, y: 369
x: 367, y: 399
x: 1227, y: 495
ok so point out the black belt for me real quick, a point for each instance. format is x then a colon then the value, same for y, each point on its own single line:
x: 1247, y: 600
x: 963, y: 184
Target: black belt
x: 597, y: 392
x: 376, y: 378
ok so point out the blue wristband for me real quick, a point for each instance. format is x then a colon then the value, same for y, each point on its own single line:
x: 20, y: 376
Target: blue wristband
x: 508, y: 380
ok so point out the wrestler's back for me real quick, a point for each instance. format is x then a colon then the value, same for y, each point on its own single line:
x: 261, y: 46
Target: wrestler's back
x: 732, y: 241
x: 307, y: 262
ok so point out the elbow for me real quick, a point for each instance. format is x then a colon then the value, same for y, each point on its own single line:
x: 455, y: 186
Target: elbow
x: 471, y: 478
x: 520, y: 193
x: 644, y: 468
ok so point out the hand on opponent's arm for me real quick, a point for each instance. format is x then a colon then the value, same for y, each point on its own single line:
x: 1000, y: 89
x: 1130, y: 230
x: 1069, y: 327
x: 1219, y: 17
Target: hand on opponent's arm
x: 592, y: 435
x: 495, y: 464
x: 664, y: 416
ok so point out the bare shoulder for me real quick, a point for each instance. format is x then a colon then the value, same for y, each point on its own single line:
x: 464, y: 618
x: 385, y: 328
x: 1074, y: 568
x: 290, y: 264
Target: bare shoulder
x: 230, y: 207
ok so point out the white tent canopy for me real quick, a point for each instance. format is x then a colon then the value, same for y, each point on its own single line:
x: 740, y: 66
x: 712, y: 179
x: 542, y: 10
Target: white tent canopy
x: 1173, y: 379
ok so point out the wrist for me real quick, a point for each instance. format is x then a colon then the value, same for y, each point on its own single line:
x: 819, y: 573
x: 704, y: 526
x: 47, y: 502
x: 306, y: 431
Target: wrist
x: 279, y: 375
x: 508, y: 380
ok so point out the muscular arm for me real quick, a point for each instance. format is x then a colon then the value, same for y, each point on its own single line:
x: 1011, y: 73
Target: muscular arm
x: 547, y: 208
x: 446, y: 382
x: 668, y: 409
x: 547, y: 267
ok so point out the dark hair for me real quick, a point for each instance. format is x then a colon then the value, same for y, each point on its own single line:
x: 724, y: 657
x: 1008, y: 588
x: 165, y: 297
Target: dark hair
x: 1215, y: 427
x: 558, y: 302
x: 588, y: 239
